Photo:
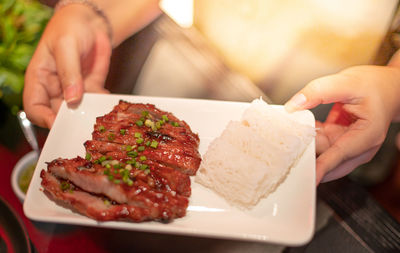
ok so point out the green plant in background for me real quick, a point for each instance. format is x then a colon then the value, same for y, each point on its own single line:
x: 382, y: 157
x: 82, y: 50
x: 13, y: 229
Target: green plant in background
x: 21, y: 25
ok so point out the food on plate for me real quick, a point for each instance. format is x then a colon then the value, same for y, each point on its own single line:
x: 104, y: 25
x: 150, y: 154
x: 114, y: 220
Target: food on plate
x: 253, y: 156
x: 136, y: 167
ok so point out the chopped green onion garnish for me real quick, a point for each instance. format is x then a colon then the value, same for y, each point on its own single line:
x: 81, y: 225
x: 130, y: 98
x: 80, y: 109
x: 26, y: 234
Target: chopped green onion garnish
x: 108, y: 166
x: 117, y: 181
x: 139, y: 123
x: 165, y: 118
x: 139, y: 141
x: 117, y: 166
x: 145, y: 113
x: 146, y: 171
x: 154, y: 144
x: 111, y: 137
x: 133, y: 153
x: 131, y: 162
x: 122, y: 131
x: 175, y: 124
x: 142, y: 158
x: 64, y: 186
x: 110, y: 177
x: 158, y: 125
x: 107, y: 171
x: 129, y: 182
x: 141, y: 148
x: 88, y: 156
x: 102, y: 128
x: 147, y: 143
x: 102, y: 159
x: 129, y: 148
x: 143, y: 166
x: 138, y: 135
x: 148, y: 123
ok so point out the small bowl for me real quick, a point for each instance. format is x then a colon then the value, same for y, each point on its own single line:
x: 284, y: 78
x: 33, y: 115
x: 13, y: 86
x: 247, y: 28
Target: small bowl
x: 25, y: 162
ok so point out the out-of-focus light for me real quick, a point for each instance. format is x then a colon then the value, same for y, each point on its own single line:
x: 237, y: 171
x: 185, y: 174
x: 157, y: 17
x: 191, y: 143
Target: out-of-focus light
x: 181, y: 11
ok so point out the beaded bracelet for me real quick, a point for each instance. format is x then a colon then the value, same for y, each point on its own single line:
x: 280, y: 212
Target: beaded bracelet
x: 93, y: 6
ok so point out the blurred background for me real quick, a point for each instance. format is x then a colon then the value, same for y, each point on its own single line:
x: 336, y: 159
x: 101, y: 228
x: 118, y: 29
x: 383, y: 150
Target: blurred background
x: 226, y: 50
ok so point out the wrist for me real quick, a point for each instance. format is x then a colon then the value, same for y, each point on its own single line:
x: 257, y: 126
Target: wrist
x: 91, y: 12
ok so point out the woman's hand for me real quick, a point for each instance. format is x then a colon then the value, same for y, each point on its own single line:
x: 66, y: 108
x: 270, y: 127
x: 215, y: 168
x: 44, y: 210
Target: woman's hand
x: 366, y: 100
x: 72, y: 57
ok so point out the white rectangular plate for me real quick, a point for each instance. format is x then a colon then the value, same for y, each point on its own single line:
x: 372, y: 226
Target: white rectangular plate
x: 287, y: 216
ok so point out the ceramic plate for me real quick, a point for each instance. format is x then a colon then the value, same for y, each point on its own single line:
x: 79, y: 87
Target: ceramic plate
x: 287, y: 216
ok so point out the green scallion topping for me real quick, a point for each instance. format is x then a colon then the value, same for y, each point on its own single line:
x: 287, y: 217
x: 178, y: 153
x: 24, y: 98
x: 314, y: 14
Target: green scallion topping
x: 142, y: 158
x: 138, y: 135
x: 117, y: 166
x: 132, y: 153
x: 122, y: 131
x: 131, y: 162
x: 64, y: 185
x: 102, y: 128
x: 102, y: 159
x: 143, y: 166
x: 110, y: 177
x: 108, y: 166
x: 111, y: 136
x: 145, y: 113
x: 129, y: 182
x: 129, y: 148
x: 117, y: 181
x: 88, y: 156
x: 141, y: 148
x: 175, y: 124
x: 139, y: 141
x: 165, y: 118
x: 139, y: 123
x: 154, y: 144
x: 107, y: 171
x: 158, y: 125
x: 148, y: 143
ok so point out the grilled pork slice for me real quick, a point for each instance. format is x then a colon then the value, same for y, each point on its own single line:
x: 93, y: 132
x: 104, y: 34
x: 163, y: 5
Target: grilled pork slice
x: 102, y: 209
x: 171, y: 154
x: 126, y: 116
x: 122, y: 183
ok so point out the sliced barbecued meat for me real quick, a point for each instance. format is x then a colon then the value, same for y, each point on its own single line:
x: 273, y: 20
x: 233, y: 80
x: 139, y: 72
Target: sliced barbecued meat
x: 139, y: 160
x: 101, y: 208
x: 118, y: 181
x: 172, y: 154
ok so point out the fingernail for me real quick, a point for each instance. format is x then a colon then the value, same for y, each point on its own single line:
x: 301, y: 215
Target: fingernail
x: 296, y: 102
x: 71, y: 94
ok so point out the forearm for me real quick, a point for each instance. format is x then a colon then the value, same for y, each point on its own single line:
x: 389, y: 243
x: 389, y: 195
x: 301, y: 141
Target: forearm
x: 128, y: 16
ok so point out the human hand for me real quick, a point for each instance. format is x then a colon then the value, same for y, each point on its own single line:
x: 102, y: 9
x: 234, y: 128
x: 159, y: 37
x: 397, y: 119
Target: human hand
x: 72, y: 57
x: 366, y: 100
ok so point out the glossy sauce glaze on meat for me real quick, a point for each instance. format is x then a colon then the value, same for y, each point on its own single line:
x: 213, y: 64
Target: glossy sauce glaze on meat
x: 136, y: 168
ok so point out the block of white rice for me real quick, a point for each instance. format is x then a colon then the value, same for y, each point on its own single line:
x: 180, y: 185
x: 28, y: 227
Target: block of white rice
x: 253, y: 156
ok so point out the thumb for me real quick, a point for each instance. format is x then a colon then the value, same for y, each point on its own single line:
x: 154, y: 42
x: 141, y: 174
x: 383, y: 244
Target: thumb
x: 324, y: 90
x: 67, y: 57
